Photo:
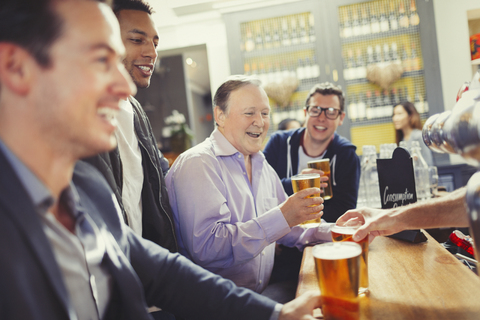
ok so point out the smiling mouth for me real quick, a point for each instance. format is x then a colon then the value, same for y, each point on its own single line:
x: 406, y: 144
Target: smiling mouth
x: 109, y: 115
x: 146, y: 70
x: 320, y: 128
x: 254, y: 134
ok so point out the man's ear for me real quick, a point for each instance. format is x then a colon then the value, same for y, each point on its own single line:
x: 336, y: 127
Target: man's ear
x: 342, y: 116
x: 15, y: 68
x: 219, y: 116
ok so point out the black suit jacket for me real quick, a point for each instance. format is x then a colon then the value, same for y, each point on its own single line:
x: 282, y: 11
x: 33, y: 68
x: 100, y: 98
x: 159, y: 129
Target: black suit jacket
x: 31, y: 285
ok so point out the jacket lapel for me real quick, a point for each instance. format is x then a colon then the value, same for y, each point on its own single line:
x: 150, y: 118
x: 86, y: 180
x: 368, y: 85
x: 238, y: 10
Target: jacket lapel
x: 20, y: 209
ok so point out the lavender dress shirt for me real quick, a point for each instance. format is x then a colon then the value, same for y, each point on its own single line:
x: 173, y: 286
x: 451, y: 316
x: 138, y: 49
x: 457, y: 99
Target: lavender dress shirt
x: 226, y: 224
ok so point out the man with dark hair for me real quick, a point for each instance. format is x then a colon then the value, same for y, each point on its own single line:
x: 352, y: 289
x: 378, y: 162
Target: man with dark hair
x: 65, y: 253
x: 289, y: 151
x: 135, y: 169
x: 228, y: 203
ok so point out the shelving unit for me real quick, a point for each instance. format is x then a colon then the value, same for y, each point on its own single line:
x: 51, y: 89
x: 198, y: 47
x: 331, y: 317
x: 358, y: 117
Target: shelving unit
x: 333, y: 40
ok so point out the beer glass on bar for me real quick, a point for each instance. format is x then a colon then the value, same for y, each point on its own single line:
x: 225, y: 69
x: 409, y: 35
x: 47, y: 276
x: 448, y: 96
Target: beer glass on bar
x: 304, y: 181
x: 345, y: 233
x: 338, y: 271
x: 324, y: 165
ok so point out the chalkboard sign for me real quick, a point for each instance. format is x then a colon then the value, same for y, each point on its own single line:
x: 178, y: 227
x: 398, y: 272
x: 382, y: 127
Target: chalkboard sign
x: 397, y: 188
x: 396, y: 179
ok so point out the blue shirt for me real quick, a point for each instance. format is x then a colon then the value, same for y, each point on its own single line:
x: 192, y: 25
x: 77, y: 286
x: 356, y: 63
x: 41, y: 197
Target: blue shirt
x: 227, y: 224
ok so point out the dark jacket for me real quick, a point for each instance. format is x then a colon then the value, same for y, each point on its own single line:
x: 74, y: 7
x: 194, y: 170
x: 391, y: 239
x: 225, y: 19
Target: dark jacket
x: 157, y: 218
x: 32, y: 286
x: 281, y: 153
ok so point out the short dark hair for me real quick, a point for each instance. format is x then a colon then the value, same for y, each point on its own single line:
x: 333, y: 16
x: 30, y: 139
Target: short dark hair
x: 283, y: 125
x: 139, y: 5
x: 231, y: 84
x: 31, y: 24
x: 327, y: 88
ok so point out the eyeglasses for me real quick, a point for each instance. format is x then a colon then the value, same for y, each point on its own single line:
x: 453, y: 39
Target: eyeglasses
x: 330, y: 113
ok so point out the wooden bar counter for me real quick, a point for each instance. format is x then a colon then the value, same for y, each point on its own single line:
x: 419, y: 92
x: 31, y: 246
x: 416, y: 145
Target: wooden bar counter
x: 410, y: 281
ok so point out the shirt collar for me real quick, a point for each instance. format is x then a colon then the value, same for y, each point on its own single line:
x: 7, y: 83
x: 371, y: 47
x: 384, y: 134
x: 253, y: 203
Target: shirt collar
x: 37, y: 191
x: 223, y: 148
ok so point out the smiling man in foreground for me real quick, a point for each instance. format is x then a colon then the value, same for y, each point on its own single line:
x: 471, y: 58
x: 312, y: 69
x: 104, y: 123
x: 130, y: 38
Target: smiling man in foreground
x: 228, y: 203
x: 64, y: 252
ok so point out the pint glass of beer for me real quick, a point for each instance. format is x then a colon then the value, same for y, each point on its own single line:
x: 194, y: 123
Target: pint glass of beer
x: 338, y: 272
x: 304, y: 181
x: 324, y: 165
x: 340, y: 234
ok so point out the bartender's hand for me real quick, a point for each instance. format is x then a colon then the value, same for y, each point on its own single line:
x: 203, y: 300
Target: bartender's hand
x: 301, y: 308
x: 323, y: 177
x: 296, y: 209
x: 377, y: 222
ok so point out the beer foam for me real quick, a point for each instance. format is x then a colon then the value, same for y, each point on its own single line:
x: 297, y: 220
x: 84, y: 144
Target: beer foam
x: 306, y: 176
x: 337, y: 250
x: 344, y: 230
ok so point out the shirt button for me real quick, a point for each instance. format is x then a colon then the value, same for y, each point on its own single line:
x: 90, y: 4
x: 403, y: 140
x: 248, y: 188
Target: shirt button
x: 244, y: 173
x: 239, y: 156
x: 260, y: 281
x: 306, y: 242
x: 263, y: 253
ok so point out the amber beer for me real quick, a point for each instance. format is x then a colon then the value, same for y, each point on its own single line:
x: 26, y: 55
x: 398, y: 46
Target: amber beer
x: 340, y: 234
x: 324, y: 165
x: 304, y: 181
x: 338, y: 271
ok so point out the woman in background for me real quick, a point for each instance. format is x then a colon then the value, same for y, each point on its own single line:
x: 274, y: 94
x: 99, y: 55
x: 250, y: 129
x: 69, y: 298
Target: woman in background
x: 408, y: 127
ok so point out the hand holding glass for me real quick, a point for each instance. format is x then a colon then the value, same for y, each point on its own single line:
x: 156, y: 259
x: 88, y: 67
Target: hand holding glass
x: 304, y: 181
x: 324, y: 165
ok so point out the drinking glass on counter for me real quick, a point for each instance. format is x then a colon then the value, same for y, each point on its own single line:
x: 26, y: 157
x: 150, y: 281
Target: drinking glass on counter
x: 304, y: 181
x: 338, y: 271
x: 345, y: 233
x: 324, y: 165
x: 433, y: 176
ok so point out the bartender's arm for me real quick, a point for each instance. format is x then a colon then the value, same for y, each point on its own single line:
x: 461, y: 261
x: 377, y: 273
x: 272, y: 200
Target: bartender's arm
x: 446, y: 211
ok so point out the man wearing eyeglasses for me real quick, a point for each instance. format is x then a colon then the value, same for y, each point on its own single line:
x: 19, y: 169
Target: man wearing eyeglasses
x: 288, y: 152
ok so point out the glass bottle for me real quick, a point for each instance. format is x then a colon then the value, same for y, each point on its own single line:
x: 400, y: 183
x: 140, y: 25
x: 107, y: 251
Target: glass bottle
x: 414, y: 18
x: 370, y: 176
x: 374, y: 23
x: 366, y: 29
x: 311, y: 28
x: 403, y: 20
x: 384, y: 25
x: 420, y: 168
x: 392, y: 18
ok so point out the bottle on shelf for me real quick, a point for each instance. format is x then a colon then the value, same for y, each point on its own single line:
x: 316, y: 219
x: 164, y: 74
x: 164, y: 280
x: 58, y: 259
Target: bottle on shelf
x: 294, y: 35
x: 387, y: 104
x: 347, y: 27
x: 258, y: 38
x: 392, y: 18
x: 276, y: 40
x: 311, y: 27
x: 414, y: 18
x: 361, y: 69
x: 407, y: 94
x: 356, y: 27
x: 406, y: 62
x: 378, y: 109
x: 268, y: 41
x: 249, y: 42
x: 285, y: 33
x: 270, y: 73
x: 285, y: 72
x: 378, y: 55
x: 361, y: 107
x: 278, y: 72
x: 303, y: 31
x: 415, y: 59
x: 386, y: 53
x: 351, y: 66
x: 419, y: 103
x: 366, y: 28
x: 352, y: 108
x: 396, y: 98
x: 346, y: 71
x: 370, y: 56
x: 369, y: 102
x: 374, y: 23
x: 384, y: 25
x: 254, y: 70
x: 403, y: 20
x: 262, y: 74
x: 395, y: 57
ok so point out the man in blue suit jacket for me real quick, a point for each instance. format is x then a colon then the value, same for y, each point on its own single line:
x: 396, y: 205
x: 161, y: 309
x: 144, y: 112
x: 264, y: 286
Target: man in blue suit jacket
x: 64, y: 252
